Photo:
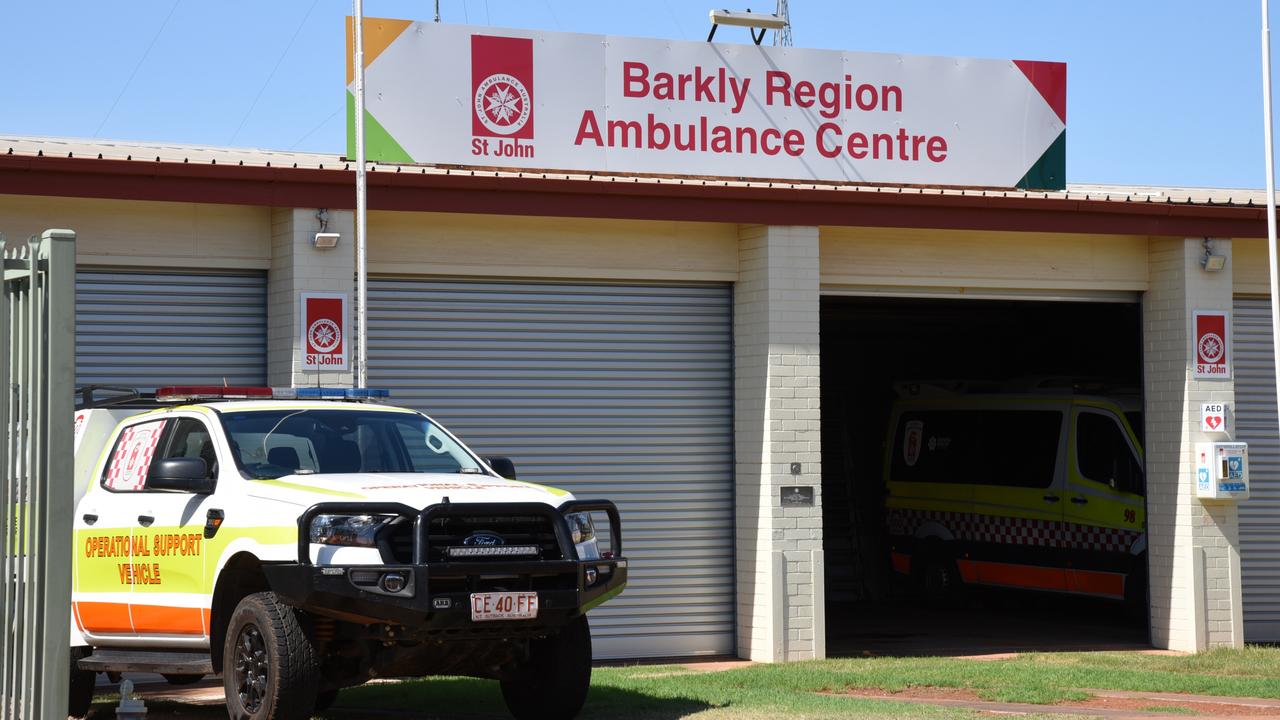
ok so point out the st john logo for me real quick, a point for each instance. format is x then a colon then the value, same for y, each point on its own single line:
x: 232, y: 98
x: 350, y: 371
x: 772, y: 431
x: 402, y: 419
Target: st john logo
x: 502, y: 96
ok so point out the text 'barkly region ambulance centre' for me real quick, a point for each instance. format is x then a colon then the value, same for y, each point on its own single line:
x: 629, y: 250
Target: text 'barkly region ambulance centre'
x: 831, y: 328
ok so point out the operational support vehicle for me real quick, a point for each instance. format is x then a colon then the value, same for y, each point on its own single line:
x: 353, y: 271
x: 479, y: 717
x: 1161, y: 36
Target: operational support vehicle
x: 298, y: 541
x: 1032, y: 490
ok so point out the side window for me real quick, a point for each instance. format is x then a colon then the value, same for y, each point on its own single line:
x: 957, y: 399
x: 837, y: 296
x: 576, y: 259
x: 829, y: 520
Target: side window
x: 1104, y: 455
x: 191, y: 439
x: 1021, y: 447
x: 936, y: 446
x: 131, y: 459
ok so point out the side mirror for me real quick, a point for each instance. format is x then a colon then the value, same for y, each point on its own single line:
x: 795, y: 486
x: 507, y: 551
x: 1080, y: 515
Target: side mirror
x: 182, y: 474
x: 502, y: 466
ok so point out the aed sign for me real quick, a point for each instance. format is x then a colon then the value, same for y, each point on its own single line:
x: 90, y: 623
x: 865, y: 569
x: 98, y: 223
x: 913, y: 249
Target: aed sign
x: 1212, y: 345
x: 524, y: 99
x: 1213, y: 417
x: 324, y: 330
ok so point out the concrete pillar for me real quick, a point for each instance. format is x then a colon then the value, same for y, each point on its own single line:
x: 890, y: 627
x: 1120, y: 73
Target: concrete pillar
x: 776, y: 424
x: 1193, y: 546
x: 296, y: 267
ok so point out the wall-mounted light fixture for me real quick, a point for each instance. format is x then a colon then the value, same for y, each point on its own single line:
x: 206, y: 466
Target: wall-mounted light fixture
x: 1212, y: 262
x: 325, y: 240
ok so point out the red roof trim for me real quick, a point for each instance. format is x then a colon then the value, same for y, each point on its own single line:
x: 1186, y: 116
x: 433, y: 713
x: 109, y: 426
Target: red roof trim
x: 467, y: 192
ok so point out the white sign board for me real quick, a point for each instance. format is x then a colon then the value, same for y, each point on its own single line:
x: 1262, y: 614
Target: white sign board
x: 481, y: 96
x: 1213, y: 417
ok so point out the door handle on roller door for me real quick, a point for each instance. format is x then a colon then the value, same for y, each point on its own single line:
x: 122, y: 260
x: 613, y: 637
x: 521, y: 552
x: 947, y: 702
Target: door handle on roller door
x: 146, y: 520
x: 1080, y: 500
x: 1051, y: 498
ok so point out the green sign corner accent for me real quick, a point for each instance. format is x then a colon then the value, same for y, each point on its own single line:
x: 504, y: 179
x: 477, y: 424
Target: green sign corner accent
x: 379, y: 146
x: 1050, y: 171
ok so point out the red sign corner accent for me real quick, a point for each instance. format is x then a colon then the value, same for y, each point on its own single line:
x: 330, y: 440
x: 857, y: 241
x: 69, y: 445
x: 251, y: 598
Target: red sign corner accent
x: 1050, y: 79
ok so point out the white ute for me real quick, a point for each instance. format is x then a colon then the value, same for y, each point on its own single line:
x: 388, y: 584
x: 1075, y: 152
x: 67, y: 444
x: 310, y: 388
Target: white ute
x: 299, y: 541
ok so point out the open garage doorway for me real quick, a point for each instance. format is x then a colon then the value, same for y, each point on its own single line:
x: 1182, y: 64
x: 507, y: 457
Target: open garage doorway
x: 983, y: 485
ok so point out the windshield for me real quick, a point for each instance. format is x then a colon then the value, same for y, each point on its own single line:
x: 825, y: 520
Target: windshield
x: 1135, y: 421
x: 272, y: 443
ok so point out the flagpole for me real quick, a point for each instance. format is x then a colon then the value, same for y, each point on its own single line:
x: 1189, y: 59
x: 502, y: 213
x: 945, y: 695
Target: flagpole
x: 361, y: 378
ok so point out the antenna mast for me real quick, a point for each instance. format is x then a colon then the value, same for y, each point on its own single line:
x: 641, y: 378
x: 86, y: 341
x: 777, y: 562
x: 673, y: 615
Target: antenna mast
x: 782, y: 38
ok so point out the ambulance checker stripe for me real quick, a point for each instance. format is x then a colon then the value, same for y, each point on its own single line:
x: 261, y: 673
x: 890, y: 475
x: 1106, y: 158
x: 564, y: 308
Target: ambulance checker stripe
x: 975, y: 527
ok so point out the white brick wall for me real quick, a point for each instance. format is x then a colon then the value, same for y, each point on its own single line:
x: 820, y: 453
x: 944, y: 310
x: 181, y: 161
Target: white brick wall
x: 776, y: 423
x: 297, y: 267
x: 1193, y: 547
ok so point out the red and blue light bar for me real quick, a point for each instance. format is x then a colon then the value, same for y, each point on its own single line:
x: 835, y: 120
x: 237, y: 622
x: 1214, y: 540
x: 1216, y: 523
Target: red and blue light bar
x: 190, y: 393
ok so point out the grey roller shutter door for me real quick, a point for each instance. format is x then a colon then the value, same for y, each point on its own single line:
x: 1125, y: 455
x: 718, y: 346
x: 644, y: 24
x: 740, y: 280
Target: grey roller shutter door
x: 143, y: 329
x: 1255, y: 417
x: 615, y: 391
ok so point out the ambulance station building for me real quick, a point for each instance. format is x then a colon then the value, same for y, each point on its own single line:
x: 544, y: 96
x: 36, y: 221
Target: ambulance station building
x: 717, y: 355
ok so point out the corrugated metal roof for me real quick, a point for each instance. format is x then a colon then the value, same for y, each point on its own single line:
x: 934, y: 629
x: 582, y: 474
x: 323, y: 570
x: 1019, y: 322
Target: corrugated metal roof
x: 36, y: 146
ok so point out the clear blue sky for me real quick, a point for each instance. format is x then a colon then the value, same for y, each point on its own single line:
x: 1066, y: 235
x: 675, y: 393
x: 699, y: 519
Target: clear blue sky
x: 1159, y: 92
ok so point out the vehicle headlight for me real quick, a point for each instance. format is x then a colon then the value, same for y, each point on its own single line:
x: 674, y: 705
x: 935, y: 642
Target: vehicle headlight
x: 583, y: 534
x: 580, y: 527
x: 356, y: 530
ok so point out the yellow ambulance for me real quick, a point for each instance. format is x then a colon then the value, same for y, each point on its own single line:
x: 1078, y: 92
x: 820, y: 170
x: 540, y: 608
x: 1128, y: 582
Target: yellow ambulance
x: 1021, y: 490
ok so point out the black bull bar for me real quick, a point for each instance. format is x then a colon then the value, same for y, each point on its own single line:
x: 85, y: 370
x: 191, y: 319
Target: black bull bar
x: 432, y: 598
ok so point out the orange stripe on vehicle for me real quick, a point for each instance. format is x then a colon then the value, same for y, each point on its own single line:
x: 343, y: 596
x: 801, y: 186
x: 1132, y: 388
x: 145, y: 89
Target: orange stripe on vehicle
x: 104, y: 617
x: 901, y: 562
x: 1095, y: 582
x: 168, y: 620
x: 1026, y: 576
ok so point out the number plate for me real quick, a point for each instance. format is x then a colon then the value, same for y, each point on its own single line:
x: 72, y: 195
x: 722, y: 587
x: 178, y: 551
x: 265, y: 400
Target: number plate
x: 504, y: 606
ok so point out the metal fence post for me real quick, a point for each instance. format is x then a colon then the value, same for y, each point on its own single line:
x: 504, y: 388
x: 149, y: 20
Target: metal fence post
x: 6, y: 461
x: 58, y: 250
x: 37, y: 330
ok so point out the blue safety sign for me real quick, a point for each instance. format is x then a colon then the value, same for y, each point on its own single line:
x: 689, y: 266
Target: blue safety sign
x: 1235, y: 467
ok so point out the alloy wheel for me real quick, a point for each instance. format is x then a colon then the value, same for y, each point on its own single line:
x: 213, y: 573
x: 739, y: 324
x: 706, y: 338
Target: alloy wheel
x: 251, y: 668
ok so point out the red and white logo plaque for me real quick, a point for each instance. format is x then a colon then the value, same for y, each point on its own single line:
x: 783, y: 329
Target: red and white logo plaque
x: 1212, y: 345
x: 502, y: 87
x: 324, y: 323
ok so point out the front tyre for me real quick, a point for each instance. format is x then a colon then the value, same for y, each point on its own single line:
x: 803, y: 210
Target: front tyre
x: 552, y: 684
x: 270, y: 668
x: 939, y: 579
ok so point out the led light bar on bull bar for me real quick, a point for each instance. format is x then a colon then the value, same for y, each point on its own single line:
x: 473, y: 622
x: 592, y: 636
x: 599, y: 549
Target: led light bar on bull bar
x: 187, y: 393
x: 494, y: 551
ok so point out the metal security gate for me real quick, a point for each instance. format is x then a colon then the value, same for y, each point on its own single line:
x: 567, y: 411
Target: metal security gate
x: 616, y: 391
x: 36, y: 310
x: 144, y: 329
x: 1255, y: 417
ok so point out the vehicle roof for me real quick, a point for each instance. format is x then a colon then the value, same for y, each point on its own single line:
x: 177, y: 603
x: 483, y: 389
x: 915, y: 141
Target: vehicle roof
x: 1127, y: 403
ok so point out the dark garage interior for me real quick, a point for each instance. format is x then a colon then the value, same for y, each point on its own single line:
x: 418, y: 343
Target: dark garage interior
x: 875, y: 349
